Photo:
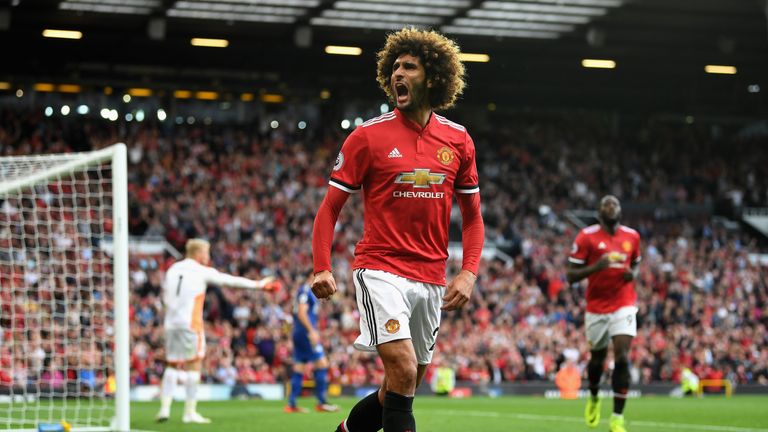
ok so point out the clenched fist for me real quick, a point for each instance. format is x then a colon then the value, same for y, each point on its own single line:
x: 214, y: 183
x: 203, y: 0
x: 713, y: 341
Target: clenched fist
x: 324, y: 285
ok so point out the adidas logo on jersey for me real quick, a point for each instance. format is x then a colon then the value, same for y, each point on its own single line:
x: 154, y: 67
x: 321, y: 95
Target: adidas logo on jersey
x: 395, y: 153
x: 601, y: 245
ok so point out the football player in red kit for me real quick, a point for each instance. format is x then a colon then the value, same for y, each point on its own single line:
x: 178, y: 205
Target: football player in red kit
x: 608, y: 255
x: 408, y: 164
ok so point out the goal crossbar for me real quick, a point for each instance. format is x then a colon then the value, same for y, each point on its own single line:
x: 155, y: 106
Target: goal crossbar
x: 77, y: 160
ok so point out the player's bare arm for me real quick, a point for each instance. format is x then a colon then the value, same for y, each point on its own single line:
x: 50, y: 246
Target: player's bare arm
x: 459, y: 290
x: 632, y: 272
x: 577, y: 272
x: 324, y: 285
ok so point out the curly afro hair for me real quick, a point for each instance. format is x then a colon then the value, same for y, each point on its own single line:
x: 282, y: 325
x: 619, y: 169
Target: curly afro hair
x: 438, y: 54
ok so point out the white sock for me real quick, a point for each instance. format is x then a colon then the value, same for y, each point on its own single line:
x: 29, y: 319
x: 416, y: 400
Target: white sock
x: 193, y: 380
x: 168, y: 387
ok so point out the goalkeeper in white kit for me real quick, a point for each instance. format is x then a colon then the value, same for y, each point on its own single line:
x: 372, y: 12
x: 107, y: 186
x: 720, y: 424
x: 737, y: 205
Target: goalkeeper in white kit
x: 183, y: 296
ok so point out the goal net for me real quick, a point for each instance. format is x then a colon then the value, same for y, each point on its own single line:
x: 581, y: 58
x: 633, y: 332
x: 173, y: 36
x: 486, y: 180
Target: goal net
x: 63, y: 296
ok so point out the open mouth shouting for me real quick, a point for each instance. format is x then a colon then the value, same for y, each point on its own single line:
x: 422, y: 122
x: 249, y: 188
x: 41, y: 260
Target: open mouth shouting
x: 402, y: 93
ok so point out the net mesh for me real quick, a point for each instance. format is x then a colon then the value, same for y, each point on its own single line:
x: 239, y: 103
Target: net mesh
x: 17, y: 167
x: 56, y: 296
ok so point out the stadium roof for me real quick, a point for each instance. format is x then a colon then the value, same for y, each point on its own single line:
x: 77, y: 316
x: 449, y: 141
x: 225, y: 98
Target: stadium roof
x: 536, y: 48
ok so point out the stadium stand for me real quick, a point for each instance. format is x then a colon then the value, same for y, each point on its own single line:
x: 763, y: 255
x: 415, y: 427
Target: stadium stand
x: 252, y: 191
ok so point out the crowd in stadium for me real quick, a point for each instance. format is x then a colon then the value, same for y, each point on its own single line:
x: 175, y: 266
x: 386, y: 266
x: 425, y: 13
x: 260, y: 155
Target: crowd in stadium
x: 703, y: 301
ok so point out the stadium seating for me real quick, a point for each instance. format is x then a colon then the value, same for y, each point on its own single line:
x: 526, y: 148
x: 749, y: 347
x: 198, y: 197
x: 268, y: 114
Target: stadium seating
x: 253, y: 194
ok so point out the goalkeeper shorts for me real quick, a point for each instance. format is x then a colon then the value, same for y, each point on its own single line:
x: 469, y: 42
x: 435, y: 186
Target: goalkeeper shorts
x: 184, y: 345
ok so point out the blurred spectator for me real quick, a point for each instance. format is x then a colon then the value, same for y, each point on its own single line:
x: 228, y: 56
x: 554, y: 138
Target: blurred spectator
x: 252, y: 193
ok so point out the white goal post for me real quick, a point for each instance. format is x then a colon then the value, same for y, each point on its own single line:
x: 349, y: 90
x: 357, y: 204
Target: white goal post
x: 64, y: 337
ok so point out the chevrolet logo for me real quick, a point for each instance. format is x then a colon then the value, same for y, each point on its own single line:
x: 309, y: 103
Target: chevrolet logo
x: 420, y: 178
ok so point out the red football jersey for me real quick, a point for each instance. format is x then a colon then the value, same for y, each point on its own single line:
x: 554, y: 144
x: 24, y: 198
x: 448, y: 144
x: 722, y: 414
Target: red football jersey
x: 607, y: 290
x: 408, y: 176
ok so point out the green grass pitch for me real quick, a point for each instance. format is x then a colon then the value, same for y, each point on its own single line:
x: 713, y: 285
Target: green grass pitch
x: 658, y: 414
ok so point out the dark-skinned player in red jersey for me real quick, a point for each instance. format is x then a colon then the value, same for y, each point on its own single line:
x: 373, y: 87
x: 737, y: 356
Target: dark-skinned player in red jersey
x: 409, y: 164
x: 608, y: 254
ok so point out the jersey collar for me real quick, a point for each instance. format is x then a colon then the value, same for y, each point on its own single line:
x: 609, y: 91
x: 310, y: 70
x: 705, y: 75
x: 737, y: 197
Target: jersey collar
x: 412, y: 124
x: 608, y: 233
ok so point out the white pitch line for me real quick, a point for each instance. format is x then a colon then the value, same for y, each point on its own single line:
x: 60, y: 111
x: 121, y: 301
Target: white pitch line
x: 678, y: 426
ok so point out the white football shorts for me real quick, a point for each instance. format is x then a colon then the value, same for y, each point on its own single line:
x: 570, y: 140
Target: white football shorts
x: 602, y: 327
x: 393, y: 307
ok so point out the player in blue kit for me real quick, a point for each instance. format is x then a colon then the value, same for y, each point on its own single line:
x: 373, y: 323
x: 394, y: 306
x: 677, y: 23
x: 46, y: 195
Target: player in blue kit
x: 308, y: 349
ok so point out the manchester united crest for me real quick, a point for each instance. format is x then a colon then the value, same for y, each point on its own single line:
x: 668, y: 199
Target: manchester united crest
x: 445, y: 155
x: 627, y: 246
x: 392, y: 326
